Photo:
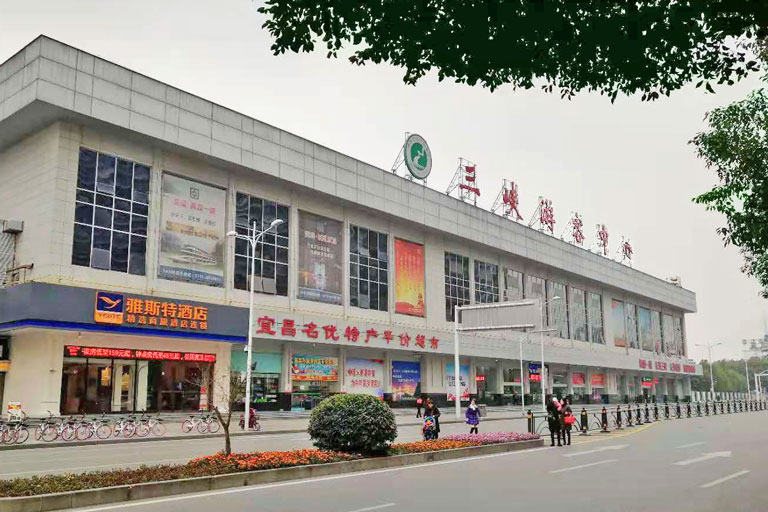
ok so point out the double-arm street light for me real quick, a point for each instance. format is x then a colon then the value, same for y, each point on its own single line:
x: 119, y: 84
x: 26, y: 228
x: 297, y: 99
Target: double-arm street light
x: 711, y: 372
x: 253, y: 239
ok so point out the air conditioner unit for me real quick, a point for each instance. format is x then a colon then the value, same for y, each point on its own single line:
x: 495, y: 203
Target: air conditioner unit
x: 13, y: 227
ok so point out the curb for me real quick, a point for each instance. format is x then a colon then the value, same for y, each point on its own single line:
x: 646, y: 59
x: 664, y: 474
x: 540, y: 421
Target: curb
x: 238, y: 433
x: 92, y: 497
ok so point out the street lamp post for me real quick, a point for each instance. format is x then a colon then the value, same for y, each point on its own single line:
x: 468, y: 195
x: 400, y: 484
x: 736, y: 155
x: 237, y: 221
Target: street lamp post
x: 746, y: 372
x: 522, y: 382
x: 253, y: 240
x: 711, y: 370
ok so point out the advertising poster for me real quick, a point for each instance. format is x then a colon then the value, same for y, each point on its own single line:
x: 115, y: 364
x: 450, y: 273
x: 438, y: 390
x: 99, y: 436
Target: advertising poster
x: 315, y: 368
x: 598, y: 380
x: 618, y: 324
x: 578, y: 378
x: 192, y: 232
x: 534, y: 372
x: 364, y: 377
x: 409, y: 278
x: 644, y: 326
x: 406, y: 380
x: 463, y: 382
x: 320, y: 259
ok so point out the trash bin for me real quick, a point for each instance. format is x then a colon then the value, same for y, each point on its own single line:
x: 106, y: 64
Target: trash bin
x: 483, y: 410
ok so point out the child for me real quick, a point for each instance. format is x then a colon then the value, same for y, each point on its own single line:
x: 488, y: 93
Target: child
x: 429, y: 430
x: 473, y: 416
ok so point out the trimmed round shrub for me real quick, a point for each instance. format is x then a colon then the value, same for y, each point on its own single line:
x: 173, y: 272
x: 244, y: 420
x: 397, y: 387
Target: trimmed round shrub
x: 352, y: 424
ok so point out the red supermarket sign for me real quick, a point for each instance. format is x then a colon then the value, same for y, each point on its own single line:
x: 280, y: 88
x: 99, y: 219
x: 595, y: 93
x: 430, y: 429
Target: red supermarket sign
x: 129, y: 353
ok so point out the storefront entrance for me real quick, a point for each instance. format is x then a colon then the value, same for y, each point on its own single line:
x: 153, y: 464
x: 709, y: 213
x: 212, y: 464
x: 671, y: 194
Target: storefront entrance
x: 137, y: 381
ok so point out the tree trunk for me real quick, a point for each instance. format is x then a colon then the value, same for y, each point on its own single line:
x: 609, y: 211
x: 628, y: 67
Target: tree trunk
x: 225, y: 426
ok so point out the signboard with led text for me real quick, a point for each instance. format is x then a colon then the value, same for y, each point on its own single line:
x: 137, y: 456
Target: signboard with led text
x: 129, y: 353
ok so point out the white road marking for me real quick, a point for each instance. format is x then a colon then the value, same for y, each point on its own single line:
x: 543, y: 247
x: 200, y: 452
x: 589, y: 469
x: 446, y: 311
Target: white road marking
x: 724, y: 479
x: 692, y: 444
x: 307, y: 481
x: 597, y: 450
x: 563, y: 470
x: 377, y: 507
x: 705, y: 457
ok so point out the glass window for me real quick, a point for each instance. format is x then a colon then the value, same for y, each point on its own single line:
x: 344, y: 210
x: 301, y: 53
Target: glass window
x: 368, y: 269
x: 578, y: 314
x: 658, y: 339
x: 456, y: 283
x: 630, y: 322
x: 558, y: 309
x: 668, y: 335
x: 536, y: 288
x: 678, y: 325
x: 595, y: 318
x: 645, y: 328
x: 486, y: 282
x: 108, y: 236
x: 271, y: 257
x: 618, y: 323
x: 513, y: 285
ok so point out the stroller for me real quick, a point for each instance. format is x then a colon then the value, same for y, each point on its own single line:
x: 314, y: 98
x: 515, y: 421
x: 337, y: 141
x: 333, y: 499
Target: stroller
x: 429, y: 429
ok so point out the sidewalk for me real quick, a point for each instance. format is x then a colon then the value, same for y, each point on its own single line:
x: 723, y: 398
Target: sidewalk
x: 271, y: 423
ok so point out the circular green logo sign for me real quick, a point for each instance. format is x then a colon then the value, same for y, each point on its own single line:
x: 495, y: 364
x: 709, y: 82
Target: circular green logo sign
x: 418, y: 158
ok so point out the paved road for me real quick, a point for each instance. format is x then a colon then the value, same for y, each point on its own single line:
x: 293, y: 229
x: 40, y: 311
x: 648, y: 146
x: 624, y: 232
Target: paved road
x: 702, y: 464
x: 65, y: 459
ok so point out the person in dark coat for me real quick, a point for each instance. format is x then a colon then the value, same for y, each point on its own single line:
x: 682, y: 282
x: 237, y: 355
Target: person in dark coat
x: 431, y: 410
x: 553, y: 420
x: 473, y: 417
x: 566, y: 427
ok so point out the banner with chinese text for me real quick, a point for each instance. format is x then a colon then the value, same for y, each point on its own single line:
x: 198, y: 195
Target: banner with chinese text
x: 320, y: 259
x: 315, y: 368
x: 406, y: 380
x: 409, y: 278
x: 192, y: 232
x: 450, y: 378
x: 364, y: 377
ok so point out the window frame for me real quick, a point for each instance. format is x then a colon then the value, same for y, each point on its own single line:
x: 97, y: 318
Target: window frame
x: 277, y: 243
x: 356, y: 264
x: 486, y: 293
x: 106, y: 205
x: 456, y: 282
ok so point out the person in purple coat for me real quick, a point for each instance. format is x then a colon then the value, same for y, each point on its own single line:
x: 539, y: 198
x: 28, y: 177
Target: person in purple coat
x: 473, y: 416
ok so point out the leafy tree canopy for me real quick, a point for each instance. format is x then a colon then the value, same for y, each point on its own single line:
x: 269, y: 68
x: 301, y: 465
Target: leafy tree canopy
x: 736, y: 147
x: 610, y: 46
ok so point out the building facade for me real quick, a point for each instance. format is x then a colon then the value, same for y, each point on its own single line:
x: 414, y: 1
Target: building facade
x: 124, y: 292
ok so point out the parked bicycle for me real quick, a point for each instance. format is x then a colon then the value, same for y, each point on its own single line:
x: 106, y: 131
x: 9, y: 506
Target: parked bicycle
x: 204, y: 423
x: 98, y: 427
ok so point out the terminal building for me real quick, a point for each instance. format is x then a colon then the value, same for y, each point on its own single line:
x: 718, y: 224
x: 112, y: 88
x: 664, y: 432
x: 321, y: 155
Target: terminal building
x: 121, y: 291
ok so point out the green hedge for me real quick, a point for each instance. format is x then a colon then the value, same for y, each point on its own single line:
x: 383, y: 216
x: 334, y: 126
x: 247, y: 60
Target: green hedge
x: 353, y: 424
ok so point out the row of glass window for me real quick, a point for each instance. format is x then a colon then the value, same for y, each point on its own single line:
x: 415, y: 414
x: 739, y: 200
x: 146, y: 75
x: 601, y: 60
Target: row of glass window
x: 111, y: 219
x: 645, y: 329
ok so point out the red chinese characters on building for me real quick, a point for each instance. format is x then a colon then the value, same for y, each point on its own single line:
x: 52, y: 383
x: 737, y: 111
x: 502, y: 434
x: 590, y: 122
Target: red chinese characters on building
x: 288, y: 328
x: 511, y: 200
x: 602, y: 238
x: 547, y: 215
x: 578, y: 229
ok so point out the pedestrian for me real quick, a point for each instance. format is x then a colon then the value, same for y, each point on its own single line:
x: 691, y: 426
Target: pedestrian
x: 473, y: 416
x: 430, y: 409
x: 419, y: 403
x: 553, y: 420
x: 568, y: 421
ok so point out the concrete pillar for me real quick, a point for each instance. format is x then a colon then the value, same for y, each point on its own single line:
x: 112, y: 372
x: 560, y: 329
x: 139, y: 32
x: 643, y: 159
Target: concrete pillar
x: 285, y: 382
x: 387, y: 372
x: 498, y: 385
x: 117, y: 387
x: 569, y: 380
x: 142, y: 380
x: 342, y: 354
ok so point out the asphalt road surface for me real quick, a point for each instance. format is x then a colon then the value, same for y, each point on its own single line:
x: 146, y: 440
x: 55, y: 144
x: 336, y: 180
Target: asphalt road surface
x: 701, y: 464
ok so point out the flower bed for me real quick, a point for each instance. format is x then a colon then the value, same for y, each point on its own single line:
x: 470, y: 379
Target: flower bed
x: 459, y: 441
x: 207, y: 466
x: 220, y: 464
x: 492, y: 437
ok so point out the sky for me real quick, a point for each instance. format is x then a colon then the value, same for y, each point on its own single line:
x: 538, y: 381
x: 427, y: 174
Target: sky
x: 627, y: 165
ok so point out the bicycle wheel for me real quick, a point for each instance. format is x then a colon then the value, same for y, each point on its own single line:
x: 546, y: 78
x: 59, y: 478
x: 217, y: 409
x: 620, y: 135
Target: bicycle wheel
x: 187, y: 426
x: 22, y: 434
x: 129, y: 430
x: 202, y: 426
x: 49, y: 433
x: 142, y: 429
x: 68, y: 433
x: 39, y: 431
x: 103, y: 431
x: 158, y: 429
x: 7, y: 437
x: 256, y: 426
x: 213, y: 426
x: 83, y: 432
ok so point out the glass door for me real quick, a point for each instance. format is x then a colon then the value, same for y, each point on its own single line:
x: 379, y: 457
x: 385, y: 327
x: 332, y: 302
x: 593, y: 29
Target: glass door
x: 99, y: 386
x: 125, y: 381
